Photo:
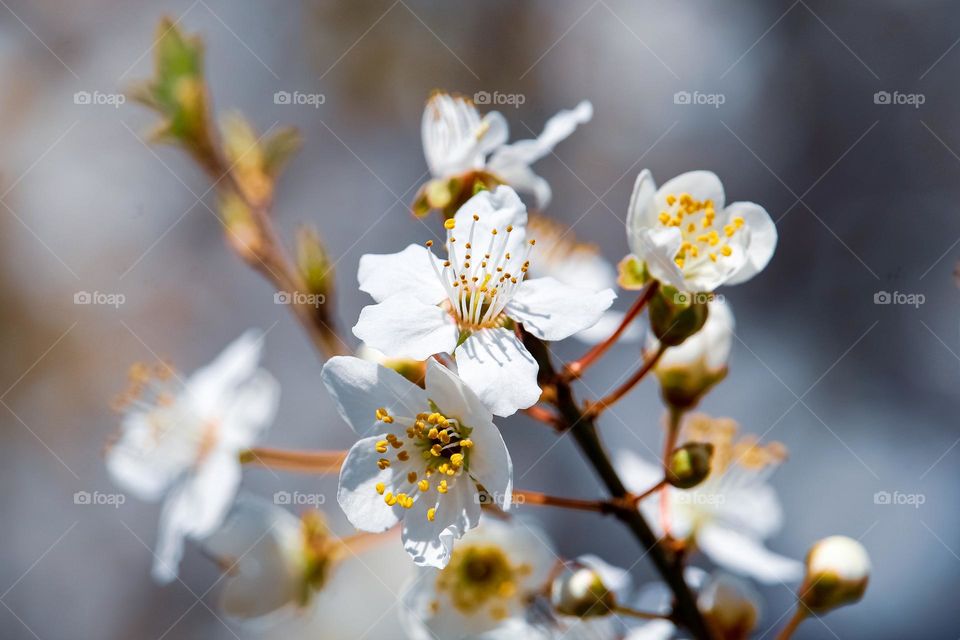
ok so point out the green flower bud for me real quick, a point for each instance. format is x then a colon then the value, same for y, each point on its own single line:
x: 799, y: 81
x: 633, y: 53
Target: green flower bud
x: 675, y: 315
x: 838, y: 569
x: 581, y: 592
x: 689, y: 464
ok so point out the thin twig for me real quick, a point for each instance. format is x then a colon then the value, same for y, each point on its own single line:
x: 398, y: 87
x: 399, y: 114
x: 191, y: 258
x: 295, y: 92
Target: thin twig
x: 596, y: 408
x: 320, y: 462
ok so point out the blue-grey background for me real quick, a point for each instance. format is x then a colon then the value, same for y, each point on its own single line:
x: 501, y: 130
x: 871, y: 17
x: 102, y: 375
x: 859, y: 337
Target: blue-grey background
x: 865, y: 197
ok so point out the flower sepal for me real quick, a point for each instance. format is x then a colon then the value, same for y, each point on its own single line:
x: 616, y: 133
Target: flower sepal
x: 683, y: 387
x: 447, y: 195
x: 675, y: 315
x: 632, y: 274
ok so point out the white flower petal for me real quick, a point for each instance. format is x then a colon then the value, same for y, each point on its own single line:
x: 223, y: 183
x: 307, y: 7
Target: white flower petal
x: 522, y: 178
x: 641, y: 212
x: 211, y: 386
x: 455, y: 139
x: 404, y: 327
x: 710, y: 346
x: 742, y: 554
x: 552, y: 311
x: 260, y: 542
x: 763, y: 239
x: 755, y: 509
x: 430, y: 543
x: 490, y: 463
x: 139, y: 464
x: 500, y: 370
x: 251, y: 412
x: 496, y: 209
x: 357, y: 494
x: 408, y: 272
x: 194, y: 509
x: 360, y: 387
x: 701, y: 185
x: 658, y: 247
x: 653, y: 630
x: 453, y: 396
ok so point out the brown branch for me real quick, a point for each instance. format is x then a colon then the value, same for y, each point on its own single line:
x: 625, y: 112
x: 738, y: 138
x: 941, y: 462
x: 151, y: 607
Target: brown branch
x: 596, y: 408
x: 522, y: 496
x: 297, y: 461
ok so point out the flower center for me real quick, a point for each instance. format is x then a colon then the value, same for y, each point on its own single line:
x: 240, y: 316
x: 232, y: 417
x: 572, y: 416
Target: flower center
x: 480, y: 577
x: 435, y: 450
x: 480, y: 282
x: 701, y: 240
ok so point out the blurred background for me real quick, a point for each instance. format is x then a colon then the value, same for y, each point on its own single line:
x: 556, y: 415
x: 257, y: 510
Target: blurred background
x: 864, y: 190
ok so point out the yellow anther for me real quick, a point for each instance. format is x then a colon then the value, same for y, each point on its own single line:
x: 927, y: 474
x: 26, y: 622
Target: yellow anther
x: 671, y: 199
x: 382, y: 448
x: 390, y: 499
x: 664, y: 217
x: 509, y: 228
x: 433, y: 434
x: 466, y: 443
x: 445, y: 437
x: 456, y: 459
x: 679, y: 262
x: 713, y: 256
x: 383, y: 463
x: 381, y: 488
x: 729, y: 230
x: 429, y: 243
x: 726, y: 250
x: 443, y: 468
x: 449, y: 224
x: 442, y: 487
x: 435, y: 450
x: 493, y: 231
x: 431, y: 513
x: 423, y: 485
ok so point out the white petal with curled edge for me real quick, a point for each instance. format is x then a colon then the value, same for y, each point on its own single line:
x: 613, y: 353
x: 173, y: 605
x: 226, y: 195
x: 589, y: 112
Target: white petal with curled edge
x: 557, y: 129
x: 360, y: 387
x: 553, y: 311
x: 659, y: 248
x: 522, y: 178
x: 357, y: 493
x: 495, y: 209
x: 408, y: 272
x: 640, y: 213
x: 455, y: 139
x: 453, y: 396
x: 430, y: 543
x: 490, y: 463
x: 500, y: 370
x: 747, y: 556
x: 701, y: 185
x: 209, y: 387
x: 262, y: 546
x: 251, y: 411
x: 763, y: 239
x: 404, y: 327
x: 194, y: 509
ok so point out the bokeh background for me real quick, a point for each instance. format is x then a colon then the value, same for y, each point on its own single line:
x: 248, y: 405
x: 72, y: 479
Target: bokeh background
x: 864, y: 193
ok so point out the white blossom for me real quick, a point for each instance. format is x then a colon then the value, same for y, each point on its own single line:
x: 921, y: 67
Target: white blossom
x: 469, y: 303
x: 181, y: 440
x: 730, y: 514
x: 689, y: 240
x: 421, y: 455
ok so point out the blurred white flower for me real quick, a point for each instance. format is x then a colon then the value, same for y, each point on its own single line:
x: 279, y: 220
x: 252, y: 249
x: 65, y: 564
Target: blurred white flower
x: 275, y: 562
x: 457, y: 140
x: 181, y: 441
x: 731, y: 513
x: 485, y: 590
x: 689, y: 240
x: 690, y: 369
x: 421, y: 456
x: 469, y: 303
x: 559, y: 255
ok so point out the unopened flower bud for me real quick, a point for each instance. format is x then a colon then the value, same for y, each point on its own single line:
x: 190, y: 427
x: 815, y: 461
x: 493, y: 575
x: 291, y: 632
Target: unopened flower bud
x: 581, y: 592
x: 675, y: 315
x: 242, y: 232
x: 687, y: 371
x: 313, y: 262
x: 838, y: 569
x: 730, y: 606
x: 689, y: 464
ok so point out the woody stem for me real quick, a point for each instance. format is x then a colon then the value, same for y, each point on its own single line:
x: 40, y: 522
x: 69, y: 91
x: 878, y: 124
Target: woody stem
x: 542, y: 499
x: 596, y: 408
